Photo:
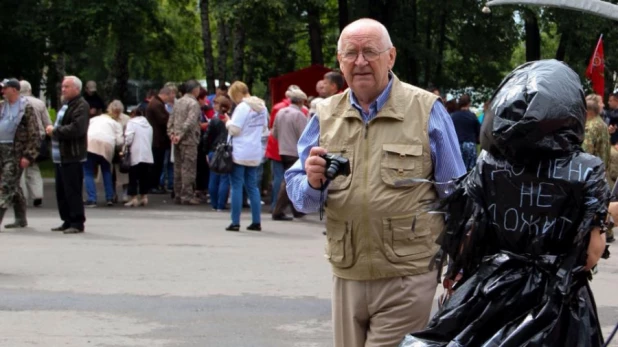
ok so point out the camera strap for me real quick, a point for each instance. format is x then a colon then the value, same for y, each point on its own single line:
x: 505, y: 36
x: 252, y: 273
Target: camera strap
x: 322, y: 202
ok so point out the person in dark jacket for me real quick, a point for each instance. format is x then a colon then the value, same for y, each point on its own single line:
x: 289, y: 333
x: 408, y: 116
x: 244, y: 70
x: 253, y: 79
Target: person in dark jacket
x: 468, y: 130
x: 157, y: 116
x: 218, y: 184
x: 69, y: 151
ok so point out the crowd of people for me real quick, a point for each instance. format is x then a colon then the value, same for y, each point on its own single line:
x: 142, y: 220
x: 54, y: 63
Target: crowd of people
x: 167, y: 142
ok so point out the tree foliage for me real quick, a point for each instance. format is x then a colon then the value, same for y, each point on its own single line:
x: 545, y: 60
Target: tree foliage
x: 124, y: 44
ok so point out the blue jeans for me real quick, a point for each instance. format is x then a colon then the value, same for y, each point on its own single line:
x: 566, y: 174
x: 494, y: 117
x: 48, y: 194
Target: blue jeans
x: 218, y: 188
x: 245, y: 176
x: 277, y: 169
x: 92, y: 161
x: 168, y: 171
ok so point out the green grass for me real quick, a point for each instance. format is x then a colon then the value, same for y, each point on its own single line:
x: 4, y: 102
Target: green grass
x: 47, y: 169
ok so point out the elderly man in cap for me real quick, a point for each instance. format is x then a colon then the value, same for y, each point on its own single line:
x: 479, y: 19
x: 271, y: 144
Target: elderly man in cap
x: 19, y: 147
x: 272, y: 147
x: 403, y: 152
x: 183, y: 129
x: 31, y: 180
x: 289, y: 124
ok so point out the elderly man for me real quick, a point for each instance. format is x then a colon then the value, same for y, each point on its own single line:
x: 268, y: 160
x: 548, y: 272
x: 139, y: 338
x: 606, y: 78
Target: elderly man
x: 158, y: 116
x: 183, y: 129
x: 93, y: 99
x: 288, y: 127
x: 401, y: 145
x: 19, y: 147
x: 69, y: 151
x: 272, y: 147
x: 31, y: 180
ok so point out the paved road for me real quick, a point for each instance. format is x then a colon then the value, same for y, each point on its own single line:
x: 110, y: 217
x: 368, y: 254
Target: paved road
x: 170, y: 276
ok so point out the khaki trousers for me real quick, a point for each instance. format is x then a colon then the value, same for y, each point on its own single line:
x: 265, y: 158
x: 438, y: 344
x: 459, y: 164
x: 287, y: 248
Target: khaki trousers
x: 381, y: 312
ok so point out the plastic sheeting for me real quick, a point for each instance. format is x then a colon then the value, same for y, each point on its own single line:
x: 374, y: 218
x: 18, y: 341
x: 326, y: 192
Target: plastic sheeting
x: 519, y: 224
x: 596, y: 7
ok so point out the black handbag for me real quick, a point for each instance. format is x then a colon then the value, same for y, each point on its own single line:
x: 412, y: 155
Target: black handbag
x: 44, y: 150
x: 125, y: 161
x: 222, y: 161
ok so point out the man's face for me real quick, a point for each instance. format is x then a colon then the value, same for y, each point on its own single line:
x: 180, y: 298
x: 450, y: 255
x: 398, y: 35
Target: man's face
x: 613, y: 102
x: 9, y: 93
x: 69, y: 91
x: 367, y: 79
x: 330, y: 88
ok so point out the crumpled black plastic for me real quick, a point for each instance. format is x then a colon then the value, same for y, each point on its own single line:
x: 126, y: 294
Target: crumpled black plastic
x: 519, y: 224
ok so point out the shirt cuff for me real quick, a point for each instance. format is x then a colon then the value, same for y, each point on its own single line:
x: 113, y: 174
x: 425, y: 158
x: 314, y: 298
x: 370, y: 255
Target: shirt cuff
x: 312, y: 193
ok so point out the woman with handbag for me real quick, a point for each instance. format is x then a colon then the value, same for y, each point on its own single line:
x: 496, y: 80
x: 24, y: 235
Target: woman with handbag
x: 245, y: 128
x: 139, y: 152
x: 219, y: 183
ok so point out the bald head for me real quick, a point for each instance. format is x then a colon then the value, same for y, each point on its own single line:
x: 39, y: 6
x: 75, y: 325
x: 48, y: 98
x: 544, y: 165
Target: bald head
x: 362, y: 26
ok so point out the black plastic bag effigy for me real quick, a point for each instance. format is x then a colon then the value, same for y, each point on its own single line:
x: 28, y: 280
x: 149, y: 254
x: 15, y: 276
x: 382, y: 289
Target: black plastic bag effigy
x: 519, y: 224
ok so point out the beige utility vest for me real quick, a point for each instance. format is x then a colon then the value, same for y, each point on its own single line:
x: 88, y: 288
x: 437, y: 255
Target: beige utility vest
x: 375, y: 227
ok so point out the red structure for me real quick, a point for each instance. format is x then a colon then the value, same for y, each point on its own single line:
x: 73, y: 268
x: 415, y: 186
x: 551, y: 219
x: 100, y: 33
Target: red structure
x: 305, y: 78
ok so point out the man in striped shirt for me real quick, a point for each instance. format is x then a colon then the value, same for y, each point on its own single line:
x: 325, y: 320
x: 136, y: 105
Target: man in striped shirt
x: 403, y: 153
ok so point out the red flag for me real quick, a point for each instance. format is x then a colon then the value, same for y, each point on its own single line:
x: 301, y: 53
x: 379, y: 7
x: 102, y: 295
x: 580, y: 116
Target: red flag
x: 596, y: 69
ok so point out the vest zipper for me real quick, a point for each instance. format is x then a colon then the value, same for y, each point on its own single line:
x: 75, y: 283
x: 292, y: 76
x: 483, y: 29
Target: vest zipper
x: 370, y: 245
x: 366, y: 129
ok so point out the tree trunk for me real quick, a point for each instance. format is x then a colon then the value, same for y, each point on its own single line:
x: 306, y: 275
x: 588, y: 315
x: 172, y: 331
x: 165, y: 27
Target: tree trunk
x: 224, y: 45
x: 533, y: 36
x: 239, y: 49
x: 441, y: 44
x: 562, y: 46
x: 413, y: 62
x: 60, y: 72
x: 120, y: 72
x: 207, y: 42
x: 428, y: 46
x: 249, y: 77
x: 344, y: 16
x: 315, y: 33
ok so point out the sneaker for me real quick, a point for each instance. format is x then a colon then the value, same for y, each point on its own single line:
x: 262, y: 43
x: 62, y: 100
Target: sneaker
x: 90, y: 204
x: 282, y: 217
x: 37, y: 202
x: 192, y: 201
x: 233, y: 227
x: 255, y: 227
x: 60, y: 228
x: 110, y: 203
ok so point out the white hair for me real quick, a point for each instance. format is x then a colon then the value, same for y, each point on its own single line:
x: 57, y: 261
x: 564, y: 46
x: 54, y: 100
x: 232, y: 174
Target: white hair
x: 386, y: 37
x: 25, y: 88
x: 115, y: 105
x: 76, y: 82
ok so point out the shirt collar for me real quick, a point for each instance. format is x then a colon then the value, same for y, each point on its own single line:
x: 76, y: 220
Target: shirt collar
x: 379, y: 103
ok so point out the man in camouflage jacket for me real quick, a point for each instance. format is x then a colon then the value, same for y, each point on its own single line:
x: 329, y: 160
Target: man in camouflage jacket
x: 19, y: 147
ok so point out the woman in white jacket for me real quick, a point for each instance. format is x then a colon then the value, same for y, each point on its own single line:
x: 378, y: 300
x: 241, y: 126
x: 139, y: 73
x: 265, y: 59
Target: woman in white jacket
x: 248, y: 123
x: 139, y: 141
x: 104, y: 136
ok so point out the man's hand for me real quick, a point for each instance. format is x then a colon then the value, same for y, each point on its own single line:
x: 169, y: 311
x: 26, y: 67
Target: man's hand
x: 24, y: 163
x: 49, y: 130
x: 612, y: 129
x: 316, y: 167
x: 175, y: 139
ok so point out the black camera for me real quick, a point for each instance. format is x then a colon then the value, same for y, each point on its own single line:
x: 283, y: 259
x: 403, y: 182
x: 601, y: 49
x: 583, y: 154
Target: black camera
x: 335, y: 166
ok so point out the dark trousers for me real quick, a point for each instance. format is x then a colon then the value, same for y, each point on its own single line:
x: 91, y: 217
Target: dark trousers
x: 158, y: 155
x: 282, y: 199
x: 139, y: 179
x: 69, y: 190
x: 202, y: 174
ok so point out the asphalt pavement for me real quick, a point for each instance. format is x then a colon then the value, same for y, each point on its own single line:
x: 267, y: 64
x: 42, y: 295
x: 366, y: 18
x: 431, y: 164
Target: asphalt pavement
x: 171, y: 276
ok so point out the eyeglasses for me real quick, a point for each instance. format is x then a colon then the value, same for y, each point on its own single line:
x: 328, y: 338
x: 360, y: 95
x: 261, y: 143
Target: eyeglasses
x: 369, y: 55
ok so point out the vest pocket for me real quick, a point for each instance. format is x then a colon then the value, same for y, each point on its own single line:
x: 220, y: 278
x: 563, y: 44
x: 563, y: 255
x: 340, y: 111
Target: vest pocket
x: 342, y: 182
x: 406, y: 238
x: 339, y: 248
x: 401, y: 162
